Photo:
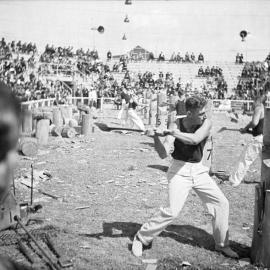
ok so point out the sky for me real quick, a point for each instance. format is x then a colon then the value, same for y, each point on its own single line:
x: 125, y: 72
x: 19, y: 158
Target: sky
x: 207, y: 26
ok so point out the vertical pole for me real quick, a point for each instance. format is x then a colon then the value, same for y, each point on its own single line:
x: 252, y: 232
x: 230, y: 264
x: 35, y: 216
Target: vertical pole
x: 32, y: 184
x: 260, y: 250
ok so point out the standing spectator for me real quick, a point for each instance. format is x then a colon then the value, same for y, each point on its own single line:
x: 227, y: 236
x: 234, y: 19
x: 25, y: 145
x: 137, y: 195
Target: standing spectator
x: 109, y: 56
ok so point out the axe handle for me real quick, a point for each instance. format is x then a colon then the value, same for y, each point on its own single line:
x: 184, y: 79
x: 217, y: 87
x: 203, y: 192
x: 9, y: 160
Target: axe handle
x: 25, y: 252
x: 51, y: 245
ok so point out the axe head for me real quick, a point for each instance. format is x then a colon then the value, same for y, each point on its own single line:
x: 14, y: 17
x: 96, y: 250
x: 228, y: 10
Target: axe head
x: 222, y: 129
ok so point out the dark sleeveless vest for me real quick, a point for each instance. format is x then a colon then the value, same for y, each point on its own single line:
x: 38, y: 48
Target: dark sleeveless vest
x: 258, y: 130
x: 187, y: 152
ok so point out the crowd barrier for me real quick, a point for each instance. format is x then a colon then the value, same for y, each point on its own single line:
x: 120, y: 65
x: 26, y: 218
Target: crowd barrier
x: 218, y: 105
x: 28, y: 105
x: 228, y: 105
x: 32, y: 104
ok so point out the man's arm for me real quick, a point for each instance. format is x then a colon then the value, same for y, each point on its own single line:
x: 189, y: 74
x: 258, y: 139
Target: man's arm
x: 255, y: 119
x: 163, y: 148
x: 193, y: 138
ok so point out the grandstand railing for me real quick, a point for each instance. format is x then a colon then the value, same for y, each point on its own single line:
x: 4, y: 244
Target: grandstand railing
x: 37, y: 103
x: 218, y: 105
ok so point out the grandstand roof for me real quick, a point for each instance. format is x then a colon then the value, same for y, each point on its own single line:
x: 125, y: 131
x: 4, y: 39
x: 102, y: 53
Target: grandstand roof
x: 138, y: 49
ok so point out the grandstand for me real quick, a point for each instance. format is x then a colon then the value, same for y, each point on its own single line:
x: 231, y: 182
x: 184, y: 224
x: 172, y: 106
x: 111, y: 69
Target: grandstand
x: 188, y: 72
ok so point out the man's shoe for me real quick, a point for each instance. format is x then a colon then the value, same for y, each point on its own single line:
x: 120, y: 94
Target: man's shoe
x: 222, y: 175
x: 227, y: 251
x: 137, y: 247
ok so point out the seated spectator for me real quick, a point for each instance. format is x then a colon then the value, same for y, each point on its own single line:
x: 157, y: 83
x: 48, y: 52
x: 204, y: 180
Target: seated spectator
x: 200, y: 72
x: 192, y: 57
x: 151, y: 57
x: 173, y: 57
x: 179, y: 58
x: 237, y: 60
x: 161, y: 57
x: 201, y: 58
x: 187, y: 59
x: 207, y: 71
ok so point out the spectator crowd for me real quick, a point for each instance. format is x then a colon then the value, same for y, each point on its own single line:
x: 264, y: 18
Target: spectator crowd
x: 252, y: 80
x: 29, y: 75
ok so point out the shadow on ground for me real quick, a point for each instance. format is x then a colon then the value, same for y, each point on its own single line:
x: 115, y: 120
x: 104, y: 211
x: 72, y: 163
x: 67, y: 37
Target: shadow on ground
x: 185, y: 234
x: 105, y: 127
x: 159, y: 167
x: 148, y: 144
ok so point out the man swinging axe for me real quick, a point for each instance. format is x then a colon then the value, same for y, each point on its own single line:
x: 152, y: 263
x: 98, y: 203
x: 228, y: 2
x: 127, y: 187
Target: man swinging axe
x: 189, y: 135
x: 253, y: 149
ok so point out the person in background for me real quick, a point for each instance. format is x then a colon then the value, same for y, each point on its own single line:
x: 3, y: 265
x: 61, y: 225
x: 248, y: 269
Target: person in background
x: 9, y: 134
x: 253, y: 149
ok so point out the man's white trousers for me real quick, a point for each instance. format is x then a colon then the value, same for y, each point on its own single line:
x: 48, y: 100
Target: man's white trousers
x: 182, y: 176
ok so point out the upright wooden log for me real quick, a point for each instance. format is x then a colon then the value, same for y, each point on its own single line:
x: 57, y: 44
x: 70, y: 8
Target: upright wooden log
x: 260, y: 250
x: 257, y: 226
x: 86, y: 124
x: 42, y: 133
x: 73, y: 123
x: 66, y: 112
x: 57, y: 131
x: 265, y: 259
x: 27, y: 122
x: 28, y: 146
x: 57, y: 117
x: 152, y: 113
x: 162, y: 115
x: 172, y: 111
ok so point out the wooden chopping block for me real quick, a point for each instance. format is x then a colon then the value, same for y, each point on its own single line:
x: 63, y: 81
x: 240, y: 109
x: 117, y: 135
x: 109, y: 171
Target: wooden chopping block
x: 68, y: 132
x: 27, y: 121
x: 57, y: 117
x: 73, y: 123
x: 42, y: 133
x: 57, y: 131
x: 86, y: 124
x: 83, y: 108
x: 28, y: 146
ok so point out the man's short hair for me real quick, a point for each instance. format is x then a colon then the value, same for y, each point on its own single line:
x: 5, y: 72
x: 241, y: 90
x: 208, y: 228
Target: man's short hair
x: 195, y: 102
x: 180, y: 93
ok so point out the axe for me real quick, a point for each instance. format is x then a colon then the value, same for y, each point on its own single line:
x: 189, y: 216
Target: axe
x: 226, y: 128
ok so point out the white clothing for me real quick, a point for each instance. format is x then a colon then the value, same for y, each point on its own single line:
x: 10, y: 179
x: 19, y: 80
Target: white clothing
x: 249, y: 154
x: 182, y: 176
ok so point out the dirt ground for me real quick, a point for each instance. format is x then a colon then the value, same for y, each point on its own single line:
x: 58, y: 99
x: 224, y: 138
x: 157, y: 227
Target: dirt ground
x: 121, y: 181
